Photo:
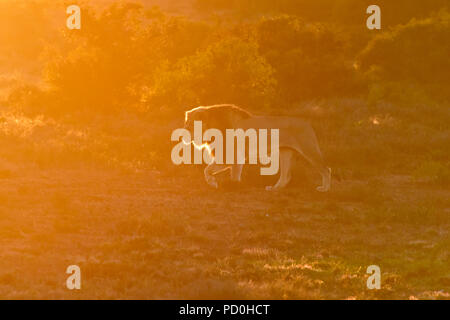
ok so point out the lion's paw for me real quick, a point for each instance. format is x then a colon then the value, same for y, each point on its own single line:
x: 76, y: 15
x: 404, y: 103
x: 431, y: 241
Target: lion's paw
x: 214, y: 184
x: 322, y: 189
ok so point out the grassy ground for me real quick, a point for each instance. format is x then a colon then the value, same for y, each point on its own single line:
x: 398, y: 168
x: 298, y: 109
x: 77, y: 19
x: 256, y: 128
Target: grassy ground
x: 96, y: 187
x: 151, y: 235
x: 104, y: 196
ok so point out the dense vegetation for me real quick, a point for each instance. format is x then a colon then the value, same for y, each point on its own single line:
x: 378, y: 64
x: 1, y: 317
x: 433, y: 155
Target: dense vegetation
x: 132, y: 58
x: 135, y: 60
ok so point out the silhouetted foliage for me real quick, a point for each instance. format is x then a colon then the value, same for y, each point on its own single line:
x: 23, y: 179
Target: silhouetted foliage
x: 397, y: 58
x: 309, y: 59
x: 134, y: 59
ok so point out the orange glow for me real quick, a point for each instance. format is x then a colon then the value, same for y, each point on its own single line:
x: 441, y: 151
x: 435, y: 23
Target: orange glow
x: 86, y: 177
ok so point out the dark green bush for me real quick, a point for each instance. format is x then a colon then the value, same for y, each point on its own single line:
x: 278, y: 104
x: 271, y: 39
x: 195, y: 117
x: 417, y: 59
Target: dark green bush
x: 309, y: 59
x: 410, y: 61
x: 229, y: 71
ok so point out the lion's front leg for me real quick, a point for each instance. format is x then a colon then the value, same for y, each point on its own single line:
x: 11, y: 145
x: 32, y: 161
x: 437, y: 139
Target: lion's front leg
x: 210, y: 179
x: 236, y: 172
x: 211, y: 170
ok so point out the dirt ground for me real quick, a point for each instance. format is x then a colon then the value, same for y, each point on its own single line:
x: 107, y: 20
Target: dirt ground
x: 153, y: 236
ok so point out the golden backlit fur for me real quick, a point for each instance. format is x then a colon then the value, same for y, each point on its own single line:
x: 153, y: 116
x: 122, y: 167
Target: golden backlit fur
x: 296, y: 137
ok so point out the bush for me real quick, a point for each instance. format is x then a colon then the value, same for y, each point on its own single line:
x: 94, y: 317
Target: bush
x: 229, y: 71
x: 348, y: 12
x: 395, y: 60
x: 309, y: 59
x: 103, y: 67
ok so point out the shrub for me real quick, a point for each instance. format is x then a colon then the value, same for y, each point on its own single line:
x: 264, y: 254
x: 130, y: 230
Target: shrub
x: 349, y: 12
x: 395, y: 60
x: 309, y: 59
x: 103, y: 67
x: 229, y: 71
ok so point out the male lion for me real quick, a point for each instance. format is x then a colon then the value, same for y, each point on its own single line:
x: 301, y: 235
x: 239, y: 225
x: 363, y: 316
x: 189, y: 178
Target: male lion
x: 295, y: 136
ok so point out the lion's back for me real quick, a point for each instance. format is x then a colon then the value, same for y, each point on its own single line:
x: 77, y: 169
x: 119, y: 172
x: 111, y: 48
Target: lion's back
x: 291, y: 126
x: 295, y: 133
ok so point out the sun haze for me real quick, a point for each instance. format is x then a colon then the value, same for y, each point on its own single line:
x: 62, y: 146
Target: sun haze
x: 86, y: 177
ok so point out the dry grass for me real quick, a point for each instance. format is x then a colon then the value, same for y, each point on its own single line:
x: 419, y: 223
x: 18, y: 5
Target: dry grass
x: 140, y: 236
x: 140, y: 228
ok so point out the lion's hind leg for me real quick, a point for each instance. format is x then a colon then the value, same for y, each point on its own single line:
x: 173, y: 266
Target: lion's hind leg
x: 286, y: 159
x: 309, y: 149
x: 326, y: 179
x: 236, y: 172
